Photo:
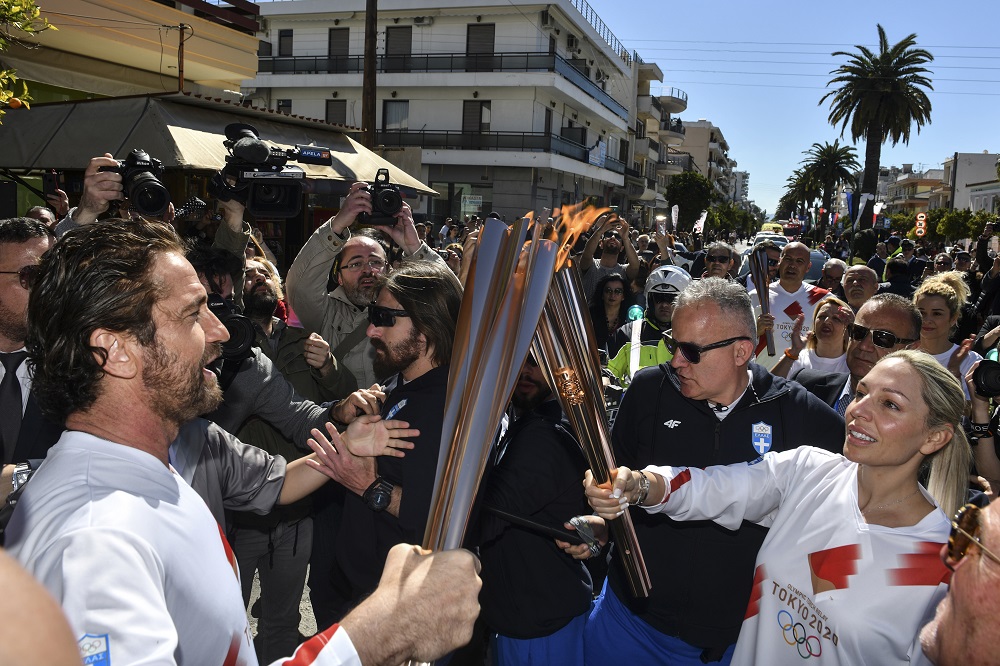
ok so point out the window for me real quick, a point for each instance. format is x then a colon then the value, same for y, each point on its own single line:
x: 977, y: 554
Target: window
x: 338, y: 49
x: 336, y: 111
x: 284, y: 43
x: 479, y: 46
x: 398, y: 48
x: 264, y: 49
x: 284, y: 106
x: 395, y: 115
x: 475, y: 116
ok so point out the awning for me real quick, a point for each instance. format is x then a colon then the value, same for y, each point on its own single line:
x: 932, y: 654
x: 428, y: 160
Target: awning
x: 180, y: 130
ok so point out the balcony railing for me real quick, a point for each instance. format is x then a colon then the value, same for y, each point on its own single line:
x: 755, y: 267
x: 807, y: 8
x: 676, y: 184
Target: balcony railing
x: 674, y: 126
x: 515, y: 141
x: 443, y: 62
x: 602, y: 29
x: 674, y: 92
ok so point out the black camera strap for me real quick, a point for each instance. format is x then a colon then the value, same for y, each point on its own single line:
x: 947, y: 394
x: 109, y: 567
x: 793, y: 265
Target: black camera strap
x: 351, y: 341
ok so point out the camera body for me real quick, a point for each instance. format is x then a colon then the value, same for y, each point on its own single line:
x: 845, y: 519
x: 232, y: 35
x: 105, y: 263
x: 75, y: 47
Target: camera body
x: 141, y: 183
x: 259, y: 177
x: 986, y: 377
x: 386, y: 201
x: 241, y: 330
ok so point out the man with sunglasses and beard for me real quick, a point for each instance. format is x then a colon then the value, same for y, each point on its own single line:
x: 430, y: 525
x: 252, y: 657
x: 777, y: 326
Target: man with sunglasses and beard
x: 411, y: 328
x: 710, y: 405
x: 884, y: 324
x: 611, y: 235
x: 357, y: 260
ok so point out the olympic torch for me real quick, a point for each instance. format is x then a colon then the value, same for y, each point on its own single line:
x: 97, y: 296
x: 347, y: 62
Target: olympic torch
x: 758, y: 270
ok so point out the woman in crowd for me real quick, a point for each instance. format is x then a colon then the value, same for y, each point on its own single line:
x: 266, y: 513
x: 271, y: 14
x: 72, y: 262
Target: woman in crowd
x: 609, y: 306
x: 824, y: 347
x: 940, y: 298
x: 850, y: 569
x: 943, y: 262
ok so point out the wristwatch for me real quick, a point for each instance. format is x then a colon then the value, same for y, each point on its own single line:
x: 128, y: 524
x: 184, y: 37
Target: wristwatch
x: 21, y: 473
x: 378, y: 495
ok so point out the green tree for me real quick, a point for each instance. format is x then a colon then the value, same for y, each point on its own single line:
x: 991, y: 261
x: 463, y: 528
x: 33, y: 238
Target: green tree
x: 956, y: 224
x: 17, y: 18
x: 802, y: 189
x: 693, y: 193
x: 830, y: 165
x: 880, y: 95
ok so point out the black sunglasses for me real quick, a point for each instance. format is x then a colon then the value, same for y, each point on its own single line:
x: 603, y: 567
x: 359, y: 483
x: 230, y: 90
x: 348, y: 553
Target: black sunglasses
x: 25, y: 275
x: 384, y: 317
x: 772, y: 262
x: 662, y: 298
x: 717, y: 259
x: 965, y: 530
x: 693, y: 352
x: 883, y: 339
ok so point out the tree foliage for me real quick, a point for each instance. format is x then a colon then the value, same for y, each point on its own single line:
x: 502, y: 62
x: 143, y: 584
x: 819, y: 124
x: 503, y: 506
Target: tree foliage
x: 880, y: 96
x: 693, y: 193
x: 18, y: 19
x: 829, y: 166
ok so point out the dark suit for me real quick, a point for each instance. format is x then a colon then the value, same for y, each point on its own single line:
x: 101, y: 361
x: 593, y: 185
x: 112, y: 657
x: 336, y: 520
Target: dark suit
x: 37, y: 435
x: 823, y: 385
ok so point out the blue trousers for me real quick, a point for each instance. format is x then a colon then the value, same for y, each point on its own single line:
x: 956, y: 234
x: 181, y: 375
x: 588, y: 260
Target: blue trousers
x: 615, y: 636
x: 561, y: 647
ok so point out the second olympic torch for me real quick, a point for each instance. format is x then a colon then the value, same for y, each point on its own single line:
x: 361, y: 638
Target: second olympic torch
x: 568, y: 357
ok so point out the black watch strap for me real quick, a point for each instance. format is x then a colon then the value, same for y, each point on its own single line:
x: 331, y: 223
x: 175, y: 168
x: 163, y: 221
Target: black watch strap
x: 379, y: 494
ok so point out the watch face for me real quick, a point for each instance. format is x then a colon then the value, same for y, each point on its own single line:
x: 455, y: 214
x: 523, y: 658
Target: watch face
x: 380, y: 499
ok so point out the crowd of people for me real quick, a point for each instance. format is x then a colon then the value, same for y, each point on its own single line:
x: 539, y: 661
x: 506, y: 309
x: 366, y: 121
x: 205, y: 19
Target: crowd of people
x: 177, y: 420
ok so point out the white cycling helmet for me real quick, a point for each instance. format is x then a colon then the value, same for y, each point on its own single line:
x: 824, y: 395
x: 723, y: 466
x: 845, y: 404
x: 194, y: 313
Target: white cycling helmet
x: 666, y: 280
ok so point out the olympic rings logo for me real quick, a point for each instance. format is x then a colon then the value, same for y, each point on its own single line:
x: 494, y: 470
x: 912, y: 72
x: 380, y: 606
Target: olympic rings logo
x: 91, y: 647
x: 811, y: 644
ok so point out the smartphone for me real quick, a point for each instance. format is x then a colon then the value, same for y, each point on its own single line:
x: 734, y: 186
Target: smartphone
x: 50, y: 182
x: 661, y: 227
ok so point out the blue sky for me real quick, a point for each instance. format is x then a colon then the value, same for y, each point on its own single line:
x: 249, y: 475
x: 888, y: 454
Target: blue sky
x: 769, y: 112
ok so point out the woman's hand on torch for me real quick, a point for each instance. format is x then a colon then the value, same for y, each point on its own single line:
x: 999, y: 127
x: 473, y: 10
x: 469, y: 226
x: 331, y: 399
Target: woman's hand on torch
x: 609, y: 501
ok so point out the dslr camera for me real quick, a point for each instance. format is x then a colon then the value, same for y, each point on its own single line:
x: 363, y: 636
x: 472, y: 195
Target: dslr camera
x: 986, y: 377
x: 141, y: 183
x: 259, y: 177
x: 386, y: 201
x: 241, y: 330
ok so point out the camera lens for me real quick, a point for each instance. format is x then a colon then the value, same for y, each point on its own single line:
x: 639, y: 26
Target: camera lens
x: 146, y: 194
x: 267, y: 194
x: 987, y: 378
x: 389, y: 201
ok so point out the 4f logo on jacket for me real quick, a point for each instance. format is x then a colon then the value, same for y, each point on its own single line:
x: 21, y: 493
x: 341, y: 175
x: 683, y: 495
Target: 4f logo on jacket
x: 672, y: 423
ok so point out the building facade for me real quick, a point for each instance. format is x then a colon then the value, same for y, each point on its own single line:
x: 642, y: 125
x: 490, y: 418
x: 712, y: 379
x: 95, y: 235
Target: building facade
x: 509, y: 108
x: 709, y: 153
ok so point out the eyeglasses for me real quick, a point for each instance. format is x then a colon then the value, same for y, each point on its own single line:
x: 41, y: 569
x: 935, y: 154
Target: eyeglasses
x: 883, y: 339
x: 617, y: 292
x: 374, y: 264
x: 943, y: 263
x: 965, y: 528
x: 384, y: 317
x: 693, y: 352
x: 717, y: 259
x: 25, y: 275
x: 772, y: 262
x: 662, y: 298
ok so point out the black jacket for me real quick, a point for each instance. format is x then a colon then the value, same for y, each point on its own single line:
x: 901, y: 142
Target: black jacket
x: 531, y: 588
x: 702, y: 573
x: 823, y: 385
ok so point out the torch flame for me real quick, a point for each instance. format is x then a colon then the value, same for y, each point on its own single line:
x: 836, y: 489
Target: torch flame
x: 571, y: 222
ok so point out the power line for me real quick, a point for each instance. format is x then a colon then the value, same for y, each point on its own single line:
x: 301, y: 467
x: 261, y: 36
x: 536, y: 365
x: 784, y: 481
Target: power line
x: 146, y: 24
x: 867, y: 78
x: 871, y: 46
x: 674, y: 83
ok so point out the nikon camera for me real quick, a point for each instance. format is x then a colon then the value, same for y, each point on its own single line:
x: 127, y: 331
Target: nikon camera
x: 141, y: 183
x: 386, y: 202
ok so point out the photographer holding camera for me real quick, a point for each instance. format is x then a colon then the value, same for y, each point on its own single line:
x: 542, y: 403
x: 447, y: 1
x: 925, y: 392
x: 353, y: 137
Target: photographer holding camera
x: 340, y: 316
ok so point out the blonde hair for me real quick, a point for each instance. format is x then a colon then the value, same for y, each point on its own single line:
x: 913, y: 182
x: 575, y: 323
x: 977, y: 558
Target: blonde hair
x: 811, y: 343
x: 950, y: 465
x: 949, y: 285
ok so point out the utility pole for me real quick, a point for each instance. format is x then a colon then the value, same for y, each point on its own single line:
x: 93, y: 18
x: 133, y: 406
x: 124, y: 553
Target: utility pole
x: 180, y: 58
x: 368, y: 82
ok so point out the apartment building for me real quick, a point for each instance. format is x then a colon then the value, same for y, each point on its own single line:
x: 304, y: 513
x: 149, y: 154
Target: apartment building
x: 709, y: 152
x: 911, y: 191
x: 508, y: 108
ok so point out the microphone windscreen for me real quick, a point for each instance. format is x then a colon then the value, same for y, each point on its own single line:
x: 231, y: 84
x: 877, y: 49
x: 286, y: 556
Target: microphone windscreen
x: 251, y: 150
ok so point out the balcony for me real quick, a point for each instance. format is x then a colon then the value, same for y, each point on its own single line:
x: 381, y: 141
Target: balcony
x: 512, y: 141
x: 672, y: 164
x: 674, y: 100
x: 647, y: 147
x: 649, y: 108
x: 445, y: 62
x: 671, y: 132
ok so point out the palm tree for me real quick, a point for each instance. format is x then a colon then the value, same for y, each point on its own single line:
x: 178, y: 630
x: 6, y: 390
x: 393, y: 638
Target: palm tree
x: 802, y: 188
x: 880, y: 95
x: 830, y: 165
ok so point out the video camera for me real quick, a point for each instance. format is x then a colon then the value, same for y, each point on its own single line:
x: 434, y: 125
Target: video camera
x: 262, y: 179
x: 141, y: 183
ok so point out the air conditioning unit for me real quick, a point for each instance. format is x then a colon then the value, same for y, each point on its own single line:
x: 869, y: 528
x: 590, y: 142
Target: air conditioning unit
x: 423, y: 21
x: 572, y: 43
x: 547, y: 22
